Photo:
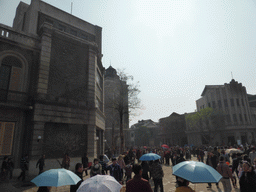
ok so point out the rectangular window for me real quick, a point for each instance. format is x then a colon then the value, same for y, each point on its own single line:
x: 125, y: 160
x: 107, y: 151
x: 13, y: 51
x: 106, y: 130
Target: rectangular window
x: 209, y: 104
x: 6, y: 137
x: 219, y: 104
x: 62, y: 27
x: 242, y: 102
x: 213, y: 104
x: 226, y: 102
x: 241, y: 117
x: 245, y: 117
x: 5, y: 72
x: 228, y: 119
x: 237, y: 102
x: 234, y: 118
x: 83, y: 36
x: 73, y: 32
x: 232, y: 102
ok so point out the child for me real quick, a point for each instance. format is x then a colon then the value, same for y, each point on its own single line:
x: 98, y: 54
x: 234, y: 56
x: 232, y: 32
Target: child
x: 234, y: 177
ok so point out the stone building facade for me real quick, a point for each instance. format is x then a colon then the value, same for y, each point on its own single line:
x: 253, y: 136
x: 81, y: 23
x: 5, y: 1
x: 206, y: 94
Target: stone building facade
x: 52, y: 86
x: 173, y: 129
x: 113, y: 93
x: 232, y: 99
x: 149, y: 137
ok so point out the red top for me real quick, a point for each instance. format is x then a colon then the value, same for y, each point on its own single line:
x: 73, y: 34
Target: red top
x: 138, y: 184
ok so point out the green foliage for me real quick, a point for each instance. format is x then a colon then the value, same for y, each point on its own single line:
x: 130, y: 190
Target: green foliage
x: 206, y: 119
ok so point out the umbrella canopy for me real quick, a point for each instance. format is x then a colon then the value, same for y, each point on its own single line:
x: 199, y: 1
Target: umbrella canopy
x: 145, y: 147
x: 233, y: 150
x: 100, y: 183
x: 56, y: 178
x: 165, y: 146
x: 149, y: 157
x: 196, y: 172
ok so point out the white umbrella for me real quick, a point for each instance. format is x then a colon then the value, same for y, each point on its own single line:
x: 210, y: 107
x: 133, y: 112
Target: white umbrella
x: 100, y: 183
x: 233, y: 150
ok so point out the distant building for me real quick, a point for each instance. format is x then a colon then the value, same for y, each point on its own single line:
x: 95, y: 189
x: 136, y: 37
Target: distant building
x: 237, y: 106
x: 145, y: 133
x: 116, y: 98
x: 173, y: 129
x: 51, y: 86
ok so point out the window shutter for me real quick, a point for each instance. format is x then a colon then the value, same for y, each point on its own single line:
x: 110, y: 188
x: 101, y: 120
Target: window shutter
x: 15, y: 79
x: 7, y: 138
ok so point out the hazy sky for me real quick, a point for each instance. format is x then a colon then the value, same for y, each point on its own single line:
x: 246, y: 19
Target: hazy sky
x: 172, y: 47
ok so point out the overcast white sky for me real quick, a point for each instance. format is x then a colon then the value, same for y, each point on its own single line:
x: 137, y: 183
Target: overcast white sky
x: 172, y: 47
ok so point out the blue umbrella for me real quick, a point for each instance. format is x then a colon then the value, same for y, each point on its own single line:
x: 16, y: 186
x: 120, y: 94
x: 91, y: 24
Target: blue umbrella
x: 149, y: 157
x: 196, y: 172
x: 56, y: 178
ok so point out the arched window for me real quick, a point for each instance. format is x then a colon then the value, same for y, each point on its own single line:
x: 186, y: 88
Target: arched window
x: 10, y: 76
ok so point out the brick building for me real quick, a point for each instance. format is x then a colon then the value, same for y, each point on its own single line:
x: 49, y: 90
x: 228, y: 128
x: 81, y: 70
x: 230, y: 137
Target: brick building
x: 51, y: 86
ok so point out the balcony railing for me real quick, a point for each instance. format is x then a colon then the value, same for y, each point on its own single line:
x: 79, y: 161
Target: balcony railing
x: 9, y: 33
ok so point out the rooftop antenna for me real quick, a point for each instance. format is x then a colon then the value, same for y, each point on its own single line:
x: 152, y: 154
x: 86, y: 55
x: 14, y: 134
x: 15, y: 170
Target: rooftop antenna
x: 71, y: 7
x: 110, y: 62
x: 232, y: 75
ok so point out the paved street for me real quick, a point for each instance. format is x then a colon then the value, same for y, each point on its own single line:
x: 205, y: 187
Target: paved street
x: 168, y: 181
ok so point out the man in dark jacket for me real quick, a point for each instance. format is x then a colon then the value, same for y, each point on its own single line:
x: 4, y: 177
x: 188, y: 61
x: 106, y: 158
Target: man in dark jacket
x: 212, y: 160
x: 138, y: 184
x: 41, y: 164
x: 115, y: 170
x: 85, y: 162
x: 79, y: 173
x: 157, y: 174
x: 236, y: 162
x: 24, y: 167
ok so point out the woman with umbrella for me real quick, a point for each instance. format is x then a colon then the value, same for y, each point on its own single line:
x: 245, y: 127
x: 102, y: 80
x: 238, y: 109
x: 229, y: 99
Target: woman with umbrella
x: 183, y: 185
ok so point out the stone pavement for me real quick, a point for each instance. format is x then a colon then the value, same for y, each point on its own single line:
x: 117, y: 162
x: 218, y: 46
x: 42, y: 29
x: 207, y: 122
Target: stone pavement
x: 168, y: 182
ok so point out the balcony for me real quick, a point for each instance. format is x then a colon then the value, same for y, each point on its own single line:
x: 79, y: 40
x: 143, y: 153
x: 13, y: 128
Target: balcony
x: 9, y: 33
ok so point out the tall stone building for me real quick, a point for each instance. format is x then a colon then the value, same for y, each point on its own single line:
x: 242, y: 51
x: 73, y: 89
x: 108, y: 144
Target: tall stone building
x: 145, y: 133
x: 51, y: 86
x: 116, y: 99
x: 232, y: 99
x: 173, y: 129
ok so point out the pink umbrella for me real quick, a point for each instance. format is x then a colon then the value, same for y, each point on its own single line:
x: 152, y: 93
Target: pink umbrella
x: 165, y: 146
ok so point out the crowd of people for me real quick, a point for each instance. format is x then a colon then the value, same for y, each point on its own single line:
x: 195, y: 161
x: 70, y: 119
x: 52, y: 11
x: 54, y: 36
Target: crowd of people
x: 235, y: 168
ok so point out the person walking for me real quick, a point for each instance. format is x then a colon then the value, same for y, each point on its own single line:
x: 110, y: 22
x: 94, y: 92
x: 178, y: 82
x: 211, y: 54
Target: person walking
x: 121, y: 163
x: 138, y: 184
x: 66, y: 161
x: 85, y: 162
x: 157, y: 174
x: 96, y: 169
x: 213, y: 162
x: 145, y: 170
x: 248, y: 178
x: 103, y: 165
x: 79, y: 172
x: 4, y: 169
x: 24, y: 167
x: 183, y: 185
x: 252, y: 154
x: 40, y: 163
x: 226, y: 173
x: 128, y: 171
x: 115, y: 170
x: 11, y: 167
